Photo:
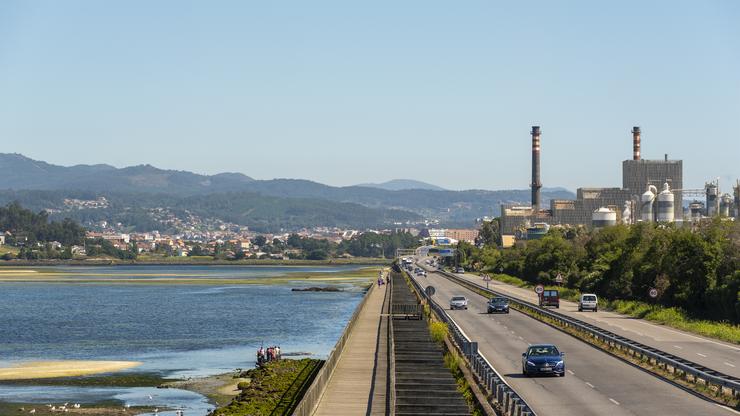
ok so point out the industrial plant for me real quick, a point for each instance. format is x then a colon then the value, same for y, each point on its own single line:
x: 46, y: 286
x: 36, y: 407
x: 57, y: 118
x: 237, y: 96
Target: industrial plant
x: 652, y: 191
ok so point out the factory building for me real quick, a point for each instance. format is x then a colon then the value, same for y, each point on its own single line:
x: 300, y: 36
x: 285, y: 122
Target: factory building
x: 638, y: 175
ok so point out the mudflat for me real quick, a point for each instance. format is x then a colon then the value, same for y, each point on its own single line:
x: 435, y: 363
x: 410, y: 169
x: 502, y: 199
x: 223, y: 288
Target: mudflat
x: 67, y: 368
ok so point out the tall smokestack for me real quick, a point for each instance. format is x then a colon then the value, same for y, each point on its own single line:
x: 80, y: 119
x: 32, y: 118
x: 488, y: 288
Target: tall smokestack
x: 536, y: 184
x: 635, y: 143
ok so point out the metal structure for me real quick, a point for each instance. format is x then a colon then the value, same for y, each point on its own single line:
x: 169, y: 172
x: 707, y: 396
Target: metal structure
x: 536, y: 184
x: 712, y: 192
x: 646, y: 203
x: 603, y: 217
x: 666, y: 205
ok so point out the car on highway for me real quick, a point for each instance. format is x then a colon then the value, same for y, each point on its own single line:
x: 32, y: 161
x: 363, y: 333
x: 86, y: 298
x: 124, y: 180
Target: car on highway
x: 543, y: 359
x: 459, y: 302
x: 588, y: 301
x: 549, y: 297
x: 498, y: 304
x: 460, y: 270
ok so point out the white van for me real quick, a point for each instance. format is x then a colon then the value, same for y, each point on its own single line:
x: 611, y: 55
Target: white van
x: 588, y: 301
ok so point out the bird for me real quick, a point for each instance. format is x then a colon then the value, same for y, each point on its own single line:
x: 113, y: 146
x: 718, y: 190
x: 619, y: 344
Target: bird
x: 32, y: 411
x: 77, y: 406
x: 150, y: 397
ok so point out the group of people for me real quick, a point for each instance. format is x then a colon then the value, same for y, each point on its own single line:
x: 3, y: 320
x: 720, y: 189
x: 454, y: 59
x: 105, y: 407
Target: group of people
x: 268, y: 354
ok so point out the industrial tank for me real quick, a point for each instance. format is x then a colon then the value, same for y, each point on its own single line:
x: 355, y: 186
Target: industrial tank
x: 665, y: 204
x: 646, y: 204
x: 724, y: 205
x: 603, y: 217
x: 697, y: 209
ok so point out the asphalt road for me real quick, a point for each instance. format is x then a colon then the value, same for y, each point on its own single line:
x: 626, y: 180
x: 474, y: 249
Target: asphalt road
x: 717, y: 355
x: 596, y: 383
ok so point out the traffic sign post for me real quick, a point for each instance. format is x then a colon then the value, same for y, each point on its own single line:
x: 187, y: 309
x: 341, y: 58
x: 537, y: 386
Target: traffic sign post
x: 653, y: 292
x: 559, y: 279
x: 486, y: 278
x: 430, y: 291
x: 539, y: 289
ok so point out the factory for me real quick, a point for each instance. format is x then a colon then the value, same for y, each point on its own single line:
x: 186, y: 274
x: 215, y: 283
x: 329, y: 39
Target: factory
x: 652, y: 190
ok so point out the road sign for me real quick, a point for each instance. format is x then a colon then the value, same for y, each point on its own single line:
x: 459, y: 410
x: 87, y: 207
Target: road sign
x: 446, y: 252
x: 539, y: 289
x: 559, y: 278
x: 430, y: 290
x: 486, y: 277
x: 653, y: 292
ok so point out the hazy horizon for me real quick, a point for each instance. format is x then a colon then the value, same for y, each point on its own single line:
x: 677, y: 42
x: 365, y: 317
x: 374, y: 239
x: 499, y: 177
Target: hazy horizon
x: 346, y: 94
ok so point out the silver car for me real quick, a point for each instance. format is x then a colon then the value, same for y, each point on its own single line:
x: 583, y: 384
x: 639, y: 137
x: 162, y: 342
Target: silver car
x: 588, y: 301
x: 459, y: 302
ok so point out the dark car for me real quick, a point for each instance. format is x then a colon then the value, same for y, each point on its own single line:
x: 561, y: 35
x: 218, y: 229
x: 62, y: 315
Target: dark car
x: 498, y: 304
x: 550, y: 297
x: 543, y: 359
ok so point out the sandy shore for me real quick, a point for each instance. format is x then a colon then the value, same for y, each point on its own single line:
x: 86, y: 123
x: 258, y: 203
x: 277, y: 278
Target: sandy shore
x: 52, y: 369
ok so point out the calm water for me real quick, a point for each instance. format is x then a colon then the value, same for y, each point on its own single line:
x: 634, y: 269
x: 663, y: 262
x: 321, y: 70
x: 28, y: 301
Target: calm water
x: 175, y: 330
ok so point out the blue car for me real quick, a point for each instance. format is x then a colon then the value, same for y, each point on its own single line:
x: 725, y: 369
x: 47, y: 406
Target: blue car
x: 543, y: 359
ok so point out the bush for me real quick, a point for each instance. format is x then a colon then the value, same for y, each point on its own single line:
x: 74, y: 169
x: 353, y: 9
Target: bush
x: 438, y: 331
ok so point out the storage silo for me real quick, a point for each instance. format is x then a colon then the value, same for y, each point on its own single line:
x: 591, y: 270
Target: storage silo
x: 646, y: 204
x: 696, y: 208
x: 724, y: 205
x: 603, y: 217
x: 665, y: 205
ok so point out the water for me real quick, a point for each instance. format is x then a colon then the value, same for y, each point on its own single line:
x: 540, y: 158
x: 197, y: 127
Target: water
x: 178, y: 331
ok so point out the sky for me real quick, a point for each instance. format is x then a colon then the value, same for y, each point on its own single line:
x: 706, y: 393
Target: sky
x: 349, y: 92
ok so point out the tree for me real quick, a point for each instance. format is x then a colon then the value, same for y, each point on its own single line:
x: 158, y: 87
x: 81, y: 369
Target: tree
x: 259, y: 241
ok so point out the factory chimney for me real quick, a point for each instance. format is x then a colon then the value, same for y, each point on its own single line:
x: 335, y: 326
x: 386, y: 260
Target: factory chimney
x: 536, y: 184
x: 635, y: 143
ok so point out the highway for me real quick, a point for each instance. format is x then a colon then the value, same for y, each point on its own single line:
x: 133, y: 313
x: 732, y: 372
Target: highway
x: 596, y: 383
x: 717, y: 355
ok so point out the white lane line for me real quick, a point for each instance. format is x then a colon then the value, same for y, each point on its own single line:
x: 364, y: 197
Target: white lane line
x: 728, y: 409
x: 701, y: 355
x: 590, y: 385
x: 614, y: 401
x: 676, y: 346
x: 729, y: 364
x: 523, y: 340
x: 571, y: 372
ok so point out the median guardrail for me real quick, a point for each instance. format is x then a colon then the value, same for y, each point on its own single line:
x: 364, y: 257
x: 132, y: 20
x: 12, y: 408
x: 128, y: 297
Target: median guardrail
x: 687, y: 370
x: 313, y: 394
x: 510, y: 403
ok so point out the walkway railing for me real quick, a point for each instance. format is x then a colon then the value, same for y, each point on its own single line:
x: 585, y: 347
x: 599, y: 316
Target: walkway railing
x: 313, y: 394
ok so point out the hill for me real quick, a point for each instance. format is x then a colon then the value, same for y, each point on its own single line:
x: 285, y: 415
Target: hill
x: 402, y: 185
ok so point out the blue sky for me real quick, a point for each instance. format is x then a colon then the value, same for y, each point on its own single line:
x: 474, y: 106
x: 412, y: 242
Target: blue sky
x: 349, y: 92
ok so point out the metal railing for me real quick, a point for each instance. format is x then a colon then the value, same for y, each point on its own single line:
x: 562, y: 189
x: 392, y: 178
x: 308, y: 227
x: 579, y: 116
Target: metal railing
x: 688, y: 370
x: 510, y: 403
x: 313, y: 394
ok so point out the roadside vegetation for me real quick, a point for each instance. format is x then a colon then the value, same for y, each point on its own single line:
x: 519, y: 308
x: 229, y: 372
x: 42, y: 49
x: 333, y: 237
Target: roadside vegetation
x: 695, y: 271
x: 274, y: 389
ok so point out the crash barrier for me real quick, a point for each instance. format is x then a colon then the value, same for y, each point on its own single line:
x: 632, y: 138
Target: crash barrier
x: 687, y: 370
x: 313, y: 394
x: 510, y: 403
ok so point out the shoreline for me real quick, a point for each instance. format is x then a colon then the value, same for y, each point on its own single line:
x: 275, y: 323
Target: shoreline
x: 197, y: 262
x: 33, y: 370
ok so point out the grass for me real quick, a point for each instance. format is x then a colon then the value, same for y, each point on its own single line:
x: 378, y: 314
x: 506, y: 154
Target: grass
x: 438, y: 331
x: 274, y: 389
x: 673, y: 317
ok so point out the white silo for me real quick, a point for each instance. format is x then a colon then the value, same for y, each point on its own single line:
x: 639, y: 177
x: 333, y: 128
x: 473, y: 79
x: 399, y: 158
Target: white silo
x: 724, y: 205
x: 603, y: 217
x: 665, y: 204
x: 646, y: 204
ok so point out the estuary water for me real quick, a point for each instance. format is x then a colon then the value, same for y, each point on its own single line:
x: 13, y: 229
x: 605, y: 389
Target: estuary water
x: 177, y: 330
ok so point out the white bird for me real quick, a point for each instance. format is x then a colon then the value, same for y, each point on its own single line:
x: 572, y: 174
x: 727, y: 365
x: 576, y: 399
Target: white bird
x: 150, y: 397
x: 32, y: 411
x: 53, y: 408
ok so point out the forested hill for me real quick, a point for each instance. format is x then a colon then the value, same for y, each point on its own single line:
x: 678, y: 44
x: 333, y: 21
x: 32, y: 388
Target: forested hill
x: 25, y: 225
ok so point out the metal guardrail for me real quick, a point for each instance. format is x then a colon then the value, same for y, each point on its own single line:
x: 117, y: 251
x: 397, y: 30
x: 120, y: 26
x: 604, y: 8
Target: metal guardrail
x: 510, y: 402
x: 688, y: 370
x: 313, y: 394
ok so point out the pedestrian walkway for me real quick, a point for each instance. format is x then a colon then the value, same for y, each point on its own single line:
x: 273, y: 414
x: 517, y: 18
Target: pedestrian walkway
x: 359, y: 384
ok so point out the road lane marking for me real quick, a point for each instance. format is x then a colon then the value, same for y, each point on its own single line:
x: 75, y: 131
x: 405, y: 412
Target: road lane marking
x: 614, y: 401
x: 676, y: 346
x: 729, y: 364
x: 701, y: 355
x: 571, y: 372
x: 523, y: 340
x: 590, y: 385
x: 728, y: 409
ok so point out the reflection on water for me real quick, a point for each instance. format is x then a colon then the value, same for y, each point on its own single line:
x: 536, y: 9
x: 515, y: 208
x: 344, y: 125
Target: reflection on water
x: 176, y: 330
